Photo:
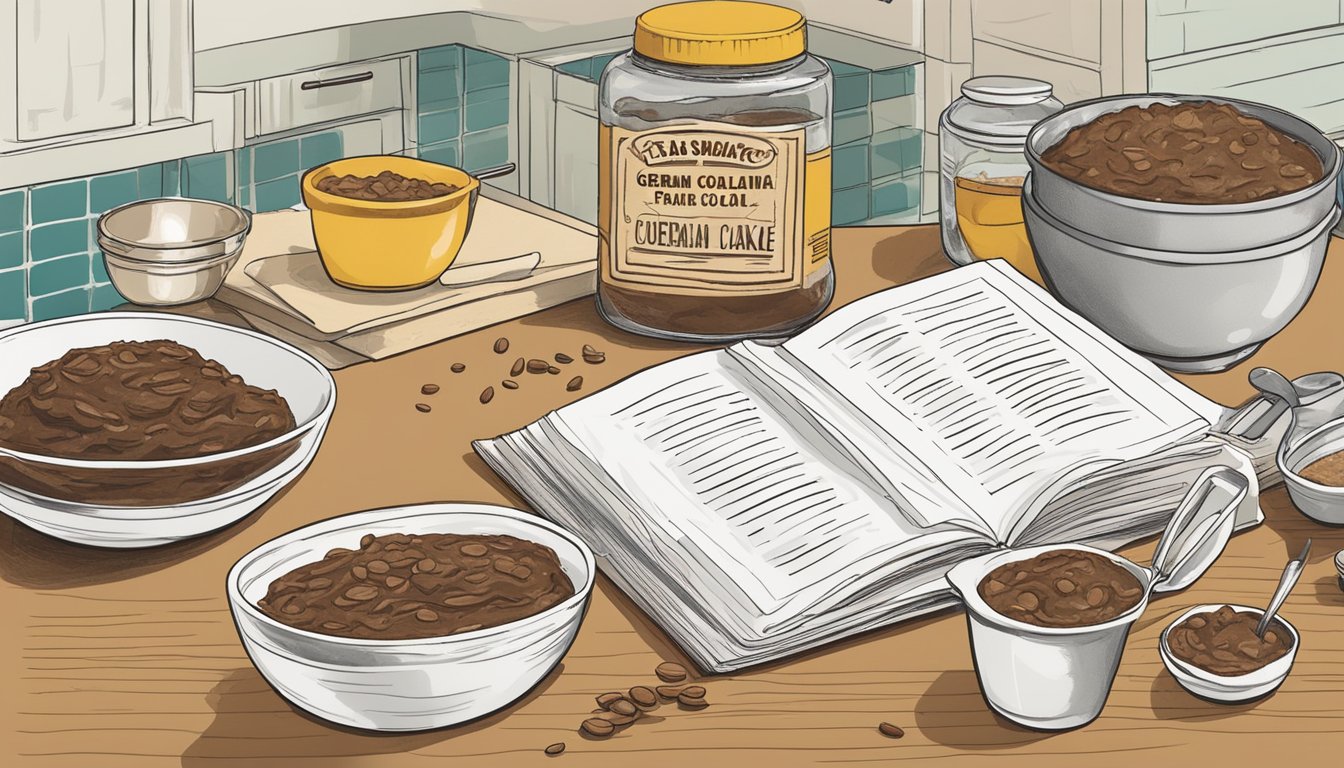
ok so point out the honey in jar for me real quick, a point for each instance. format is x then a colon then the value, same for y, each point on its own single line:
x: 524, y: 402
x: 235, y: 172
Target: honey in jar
x: 982, y: 148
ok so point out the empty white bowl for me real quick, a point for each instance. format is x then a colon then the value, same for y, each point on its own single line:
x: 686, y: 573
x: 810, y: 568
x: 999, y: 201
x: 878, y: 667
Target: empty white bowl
x: 73, y: 499
x: 1322, y: 503
x: 407, y: 685
x: 1228, y: 689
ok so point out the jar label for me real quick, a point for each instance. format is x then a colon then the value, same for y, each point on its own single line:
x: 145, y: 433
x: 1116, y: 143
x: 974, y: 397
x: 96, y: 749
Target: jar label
x: 698, y: 209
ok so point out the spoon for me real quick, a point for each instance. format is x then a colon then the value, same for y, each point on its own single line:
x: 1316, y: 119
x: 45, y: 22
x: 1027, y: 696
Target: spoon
x: 1271, y: 382
x: 1287, y: 581
x: 1311, y: 388
x: 498, y: 170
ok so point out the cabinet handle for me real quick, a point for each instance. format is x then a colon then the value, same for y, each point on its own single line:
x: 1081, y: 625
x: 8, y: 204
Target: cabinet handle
x: 309, y: 85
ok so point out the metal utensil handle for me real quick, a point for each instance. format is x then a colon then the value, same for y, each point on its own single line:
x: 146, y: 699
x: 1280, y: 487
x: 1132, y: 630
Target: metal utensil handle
x: 309, y: 85
x: 495, y: 170
x: 1291, y: 573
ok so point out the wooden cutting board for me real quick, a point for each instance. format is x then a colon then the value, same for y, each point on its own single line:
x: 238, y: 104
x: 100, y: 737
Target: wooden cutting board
x: 280, y: 287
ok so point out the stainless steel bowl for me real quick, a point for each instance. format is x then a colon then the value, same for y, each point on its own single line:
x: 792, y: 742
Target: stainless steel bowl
x: 1195, y: 228
x: 1192, y: 312
x: 170, y: 251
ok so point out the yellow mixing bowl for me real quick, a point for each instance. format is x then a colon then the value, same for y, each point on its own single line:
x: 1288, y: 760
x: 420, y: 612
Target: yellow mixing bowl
x: 381, y: 246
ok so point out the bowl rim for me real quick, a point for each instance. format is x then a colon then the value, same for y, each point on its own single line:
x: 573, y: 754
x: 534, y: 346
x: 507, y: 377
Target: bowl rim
x: 327, y: 202
x: 243, y: 227
x: 322, y: 415
x: 1258, y: 253
x: 1285, y: 458
x: 446, y: 509
x: 1229, y: 683
x: 1330, y: 165
x: 975, y: 604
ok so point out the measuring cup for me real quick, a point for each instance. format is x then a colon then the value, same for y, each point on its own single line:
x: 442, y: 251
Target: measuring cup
x: 1057, y: 678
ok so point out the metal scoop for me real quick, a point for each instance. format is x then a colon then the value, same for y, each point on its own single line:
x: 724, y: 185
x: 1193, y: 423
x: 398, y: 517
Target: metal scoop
x: 1287, y: 581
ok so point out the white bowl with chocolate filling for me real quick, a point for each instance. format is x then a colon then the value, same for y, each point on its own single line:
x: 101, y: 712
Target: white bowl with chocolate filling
x: 1214, y: 653
x: 134, y: 430
x: 411, y: 618
x: 1048, y: 624
x: 1313, y: 471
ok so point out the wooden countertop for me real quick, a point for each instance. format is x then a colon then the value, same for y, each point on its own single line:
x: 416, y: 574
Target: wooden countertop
x: 115, y: 658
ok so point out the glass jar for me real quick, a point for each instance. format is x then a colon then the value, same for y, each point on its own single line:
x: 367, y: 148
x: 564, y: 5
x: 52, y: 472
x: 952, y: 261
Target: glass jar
x: 982, y: 148
x: 714, y: 202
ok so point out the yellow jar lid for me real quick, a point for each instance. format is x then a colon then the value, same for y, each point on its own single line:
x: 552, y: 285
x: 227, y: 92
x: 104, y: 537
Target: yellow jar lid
x: 720, y: 33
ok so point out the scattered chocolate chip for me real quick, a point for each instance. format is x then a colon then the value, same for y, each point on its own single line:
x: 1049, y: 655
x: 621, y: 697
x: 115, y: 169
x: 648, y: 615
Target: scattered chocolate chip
x: 623, y: 706
x: 644, y: 696
x: 563, y: 359
x: 670, y: 672
x: 429, y: 389
x: 607, y: 699
x: 891, y: 731
x: 555, y: 748
x: 551, y: 369
x: 537, y: 366
x: 691, y: 702
x: 423, y: 407
x: 574, y: 384
x: 501, y: 345
x: 458, y: 367
x: 487, y: 395
x: 596, y: 726
x: 668, y: 692
x: 519, y: 366
x: 509, y: 384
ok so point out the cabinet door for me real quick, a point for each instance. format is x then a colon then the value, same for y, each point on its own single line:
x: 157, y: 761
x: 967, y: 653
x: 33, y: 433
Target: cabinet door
x: 76, y: 66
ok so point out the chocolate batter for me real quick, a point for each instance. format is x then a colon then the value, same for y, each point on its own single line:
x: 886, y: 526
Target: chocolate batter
x: 1063, y: 588
x: 1223, y: 642
x: 403, y: 587
x: 1196, y: 152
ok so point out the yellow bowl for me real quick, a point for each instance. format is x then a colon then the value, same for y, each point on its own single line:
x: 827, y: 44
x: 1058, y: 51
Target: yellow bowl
x: 382, y: 246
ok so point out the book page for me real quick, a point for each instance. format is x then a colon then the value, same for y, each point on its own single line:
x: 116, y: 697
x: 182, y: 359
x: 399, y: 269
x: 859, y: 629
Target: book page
x: 993, y: 387
x: 785, y: 518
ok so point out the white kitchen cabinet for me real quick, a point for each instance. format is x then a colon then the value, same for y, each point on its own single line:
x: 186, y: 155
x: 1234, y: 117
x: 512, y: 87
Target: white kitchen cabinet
x: 75, y: 63
x: 92, y: 65
x: 90, y: 86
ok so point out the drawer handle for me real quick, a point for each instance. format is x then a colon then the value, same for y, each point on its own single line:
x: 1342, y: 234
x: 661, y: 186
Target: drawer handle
x: 309, y: 85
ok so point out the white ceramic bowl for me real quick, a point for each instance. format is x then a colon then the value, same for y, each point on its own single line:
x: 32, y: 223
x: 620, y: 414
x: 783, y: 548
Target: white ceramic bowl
x: 407, y: 685
x: 32, y: 493
x: 1047, y: 678
x: 1209, y: 228
x: 1192, y: 312
x: 1228, y: 689
x: 1322, y: 503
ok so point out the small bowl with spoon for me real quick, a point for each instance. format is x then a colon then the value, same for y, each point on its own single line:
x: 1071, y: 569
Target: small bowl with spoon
x: 1232, y: 685
x: 1317, y: 491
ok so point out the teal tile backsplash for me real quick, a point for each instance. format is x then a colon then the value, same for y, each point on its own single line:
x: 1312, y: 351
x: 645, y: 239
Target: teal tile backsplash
x: 269, y: 173
x: 50, y: 265
x: 464, y: 104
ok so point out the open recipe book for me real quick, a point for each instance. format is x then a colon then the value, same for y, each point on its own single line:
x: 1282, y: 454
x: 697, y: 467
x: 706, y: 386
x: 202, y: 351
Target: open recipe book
x: 758, y: 501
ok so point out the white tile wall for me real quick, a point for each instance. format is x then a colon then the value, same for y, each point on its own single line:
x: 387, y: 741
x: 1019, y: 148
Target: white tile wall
x: 1072, y: 81
x: 1182, y: 26
x: 1065, y: 29
x: 1303, y: 75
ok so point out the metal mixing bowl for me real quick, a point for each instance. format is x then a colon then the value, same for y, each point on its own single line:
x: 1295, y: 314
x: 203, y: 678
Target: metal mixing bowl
x: 1167, y: 226
x: 169, y: 251
x: 1187, y: 311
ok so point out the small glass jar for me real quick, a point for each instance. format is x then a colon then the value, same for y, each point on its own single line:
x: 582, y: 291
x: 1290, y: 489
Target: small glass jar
x: 982, y: 147
x: 714, y: 173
